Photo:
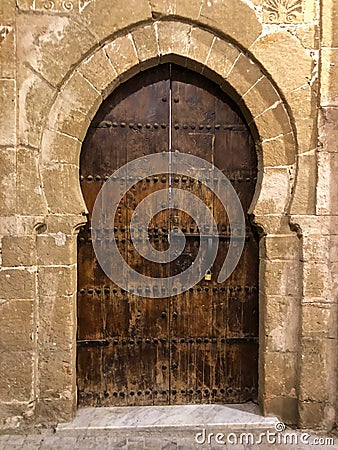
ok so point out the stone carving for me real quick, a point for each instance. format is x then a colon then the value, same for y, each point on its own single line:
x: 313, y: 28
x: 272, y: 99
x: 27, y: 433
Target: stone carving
x: 3, y: 32
x: 283, y: 11
x: 60, y: 6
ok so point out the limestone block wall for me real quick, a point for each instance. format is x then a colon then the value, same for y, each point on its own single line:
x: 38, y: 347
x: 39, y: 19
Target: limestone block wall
x: 58, y: 61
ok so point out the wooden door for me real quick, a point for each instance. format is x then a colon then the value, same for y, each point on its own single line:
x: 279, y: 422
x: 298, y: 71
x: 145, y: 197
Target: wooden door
x: 200, y: 346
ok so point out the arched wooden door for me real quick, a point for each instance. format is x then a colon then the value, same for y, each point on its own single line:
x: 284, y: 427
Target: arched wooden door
x: 197, y: 347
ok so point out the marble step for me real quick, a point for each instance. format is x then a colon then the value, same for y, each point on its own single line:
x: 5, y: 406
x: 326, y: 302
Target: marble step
x: 169, y: 420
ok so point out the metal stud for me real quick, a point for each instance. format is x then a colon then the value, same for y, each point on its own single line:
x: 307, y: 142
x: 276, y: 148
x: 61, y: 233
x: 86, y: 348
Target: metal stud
x: 90, y: 291
x: 217, y: 126
x: 123, y: 124
x: 176, y: 126
x: 115, y: 124
x: 156, y: 125
x: 89, y: 177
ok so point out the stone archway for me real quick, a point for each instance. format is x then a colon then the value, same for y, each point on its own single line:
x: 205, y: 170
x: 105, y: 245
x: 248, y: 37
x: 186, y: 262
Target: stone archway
x: 267, y: 113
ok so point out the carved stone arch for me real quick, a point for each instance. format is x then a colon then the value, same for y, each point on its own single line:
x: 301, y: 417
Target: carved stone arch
x: 200, y: 50
x: 244, y: 80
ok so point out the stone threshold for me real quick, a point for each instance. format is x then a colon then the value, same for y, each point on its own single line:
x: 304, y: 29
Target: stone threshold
x: 180, y: 418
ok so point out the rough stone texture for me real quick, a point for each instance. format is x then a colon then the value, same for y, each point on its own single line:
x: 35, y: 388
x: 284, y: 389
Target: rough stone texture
x: 222, y: 57
x: 122, y: 54
x: 275, y: 194
x: 261, y: 97
x: 232, y: 14
x: 289, y: 69
x: 304, y: 199
x: 17, y: 325
x: 146, y: 44
x: 200, y: 44
x: 34, y: 99
x: 7, y: 112
x: 100, y: 72
x: 244, y: 75
x: 18, y: 251
x: 60, y: 148
x: 56, y: 249
x: 329, y: 88
x: 102, y: 23
x: 273, y: 122
x: 279, y: 150
x: 56, y: 67
x: 7, y: 46
x: 30, y: 195
x: 16, y: 384
x: 51, y: 45
x: 173, y: 38
x: 62, y: 196
x: 17, y: 283
x: 8, y: 181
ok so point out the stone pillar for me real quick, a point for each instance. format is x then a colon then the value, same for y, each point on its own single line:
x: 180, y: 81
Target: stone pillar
x: 279, y: 325
x: 318, y: 371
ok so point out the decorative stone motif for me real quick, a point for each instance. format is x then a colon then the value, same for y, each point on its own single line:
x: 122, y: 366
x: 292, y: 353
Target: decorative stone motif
x: 59, y: 6
x: 283, y: 11
x: 3, y: 32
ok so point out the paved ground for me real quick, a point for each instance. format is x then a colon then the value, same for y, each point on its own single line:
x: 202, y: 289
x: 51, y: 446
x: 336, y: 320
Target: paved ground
x: 106, y: 440
x: 174, y: 427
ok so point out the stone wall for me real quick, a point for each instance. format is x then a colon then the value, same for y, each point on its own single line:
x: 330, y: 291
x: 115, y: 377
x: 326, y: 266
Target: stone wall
x: 58, y: 61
